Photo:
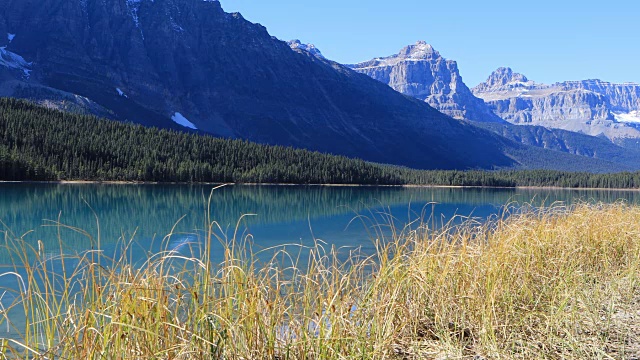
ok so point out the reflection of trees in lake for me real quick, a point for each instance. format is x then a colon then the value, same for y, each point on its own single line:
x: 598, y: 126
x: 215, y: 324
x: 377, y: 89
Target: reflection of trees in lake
x: 154, y: 209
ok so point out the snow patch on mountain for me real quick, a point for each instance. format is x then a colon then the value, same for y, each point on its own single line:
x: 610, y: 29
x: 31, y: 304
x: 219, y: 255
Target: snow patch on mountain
x: 10, y: 37
x: 121, y: 93
x: 181, y: 120
x: 630, y: 117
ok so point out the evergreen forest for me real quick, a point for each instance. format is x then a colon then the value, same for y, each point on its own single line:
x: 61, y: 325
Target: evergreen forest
x: 41, y: 144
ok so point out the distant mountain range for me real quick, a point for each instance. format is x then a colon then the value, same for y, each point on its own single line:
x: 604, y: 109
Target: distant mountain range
x: 584, y: 108
x: 592, y: 107
x: 189, y: 66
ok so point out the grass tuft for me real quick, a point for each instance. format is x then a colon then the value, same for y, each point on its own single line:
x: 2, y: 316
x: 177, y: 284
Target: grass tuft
x: 558, y: 283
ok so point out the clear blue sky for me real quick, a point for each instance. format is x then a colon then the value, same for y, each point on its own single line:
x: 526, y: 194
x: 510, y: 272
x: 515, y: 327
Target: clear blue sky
x: 546, y: 40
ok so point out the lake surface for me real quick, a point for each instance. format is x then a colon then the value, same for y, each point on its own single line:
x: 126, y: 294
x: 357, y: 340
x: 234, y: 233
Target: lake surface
x: 273, y: 215
x: 74, y: 218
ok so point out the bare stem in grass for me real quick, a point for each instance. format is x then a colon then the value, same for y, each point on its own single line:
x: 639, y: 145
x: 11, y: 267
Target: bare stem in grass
x: 557, y: 283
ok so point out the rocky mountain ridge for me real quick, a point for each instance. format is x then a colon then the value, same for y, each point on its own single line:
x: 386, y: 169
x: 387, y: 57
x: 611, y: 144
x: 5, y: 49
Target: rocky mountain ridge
x: 309, y: 48
x: 420, y: 71
x: 592, y: 107
x: 406, y: 73
x: 190, y: 66
x: 504, y: 79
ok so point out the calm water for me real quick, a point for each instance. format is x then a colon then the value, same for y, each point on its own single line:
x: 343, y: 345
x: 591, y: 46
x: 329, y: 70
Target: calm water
x: 345, y: 217
x: 341, y: 216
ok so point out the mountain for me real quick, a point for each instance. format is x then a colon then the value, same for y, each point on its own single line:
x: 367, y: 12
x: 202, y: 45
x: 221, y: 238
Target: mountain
x: 421, y: 72
x: 310, y: 48
x: 566, y: 141
x: 38, y: 144
x: 591, y: 107
x: 188, y: 65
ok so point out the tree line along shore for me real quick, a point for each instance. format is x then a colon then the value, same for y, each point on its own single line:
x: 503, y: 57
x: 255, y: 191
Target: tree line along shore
x: 40, y: 144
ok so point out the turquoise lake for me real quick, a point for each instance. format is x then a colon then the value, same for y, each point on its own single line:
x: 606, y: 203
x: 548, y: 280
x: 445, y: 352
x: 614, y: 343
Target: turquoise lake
x: 75, y: 218
x: 343, y: 216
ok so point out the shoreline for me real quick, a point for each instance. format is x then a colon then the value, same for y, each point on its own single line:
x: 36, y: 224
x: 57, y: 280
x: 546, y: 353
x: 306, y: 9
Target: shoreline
x: 591, y: 247
x: 113, y: 182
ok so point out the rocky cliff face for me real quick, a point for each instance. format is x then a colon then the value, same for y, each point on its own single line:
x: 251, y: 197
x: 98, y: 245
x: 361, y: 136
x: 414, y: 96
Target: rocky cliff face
x: 592, y: 107
x: 309, y: 48
x: 623, y: 99
x: 421, y: 72
x: 504, y: 79
x: 188, y: 65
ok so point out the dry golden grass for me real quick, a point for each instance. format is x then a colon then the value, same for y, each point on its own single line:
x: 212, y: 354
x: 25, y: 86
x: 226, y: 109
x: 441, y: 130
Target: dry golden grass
x: 553, y: 284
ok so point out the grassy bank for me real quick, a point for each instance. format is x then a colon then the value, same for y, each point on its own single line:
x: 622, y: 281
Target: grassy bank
x: 561, y: 283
